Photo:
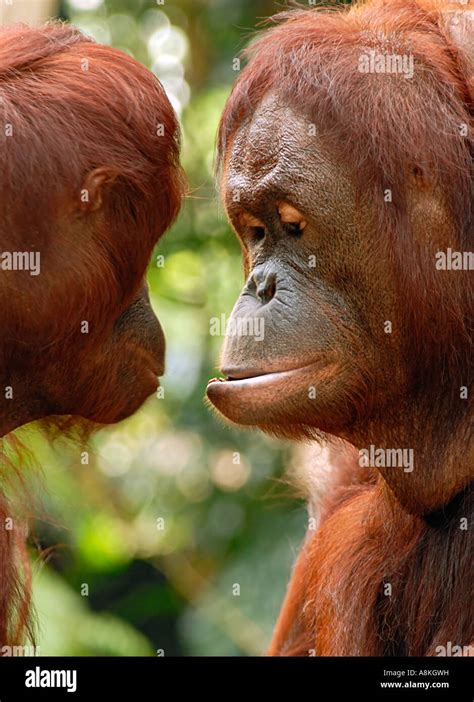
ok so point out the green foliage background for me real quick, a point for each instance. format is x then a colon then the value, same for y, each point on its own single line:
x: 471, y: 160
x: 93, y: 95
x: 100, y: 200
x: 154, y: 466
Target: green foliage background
x: 163, y: 543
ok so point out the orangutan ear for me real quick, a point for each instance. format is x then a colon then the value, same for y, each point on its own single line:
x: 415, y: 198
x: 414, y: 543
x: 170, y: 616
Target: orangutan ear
x: 94, y: 188
x: 459, y: 27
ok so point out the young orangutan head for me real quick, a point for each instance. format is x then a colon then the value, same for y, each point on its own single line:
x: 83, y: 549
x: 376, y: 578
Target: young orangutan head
x: 90, y: 180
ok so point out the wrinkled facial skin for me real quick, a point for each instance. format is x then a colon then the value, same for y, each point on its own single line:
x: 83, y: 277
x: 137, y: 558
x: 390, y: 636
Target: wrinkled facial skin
x: 320, y: 285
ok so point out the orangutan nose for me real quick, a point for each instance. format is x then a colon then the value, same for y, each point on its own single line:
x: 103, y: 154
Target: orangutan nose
x: 262, y: 283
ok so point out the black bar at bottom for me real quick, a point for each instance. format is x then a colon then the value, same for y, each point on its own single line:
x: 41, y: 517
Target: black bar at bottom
x: 312, y: 678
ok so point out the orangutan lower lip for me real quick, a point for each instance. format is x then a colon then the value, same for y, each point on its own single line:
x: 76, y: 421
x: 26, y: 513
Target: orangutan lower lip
x: 153, y: 365
x: 231, y: 379
x: 253, y: 379
x: 247, y: 375
x: 154, y: 377
x: 261, y: 377
x: 157, y: 366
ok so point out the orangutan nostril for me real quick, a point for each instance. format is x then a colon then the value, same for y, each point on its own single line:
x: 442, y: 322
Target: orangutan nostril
x: 266, y: 290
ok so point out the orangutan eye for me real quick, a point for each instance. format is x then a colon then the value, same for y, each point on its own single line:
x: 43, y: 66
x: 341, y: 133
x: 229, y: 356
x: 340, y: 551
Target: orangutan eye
x: 293, y: 228
x: 254, y: 229
x: 258, y: 233
x: 291, y: 218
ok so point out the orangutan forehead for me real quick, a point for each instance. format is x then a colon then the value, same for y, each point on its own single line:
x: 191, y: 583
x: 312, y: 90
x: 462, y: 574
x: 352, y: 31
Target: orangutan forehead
x: 272, y: 139
x: 278, y: 152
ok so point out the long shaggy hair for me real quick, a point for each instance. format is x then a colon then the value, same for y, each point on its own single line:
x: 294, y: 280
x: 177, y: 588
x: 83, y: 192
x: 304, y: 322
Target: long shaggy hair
x: 374, y: 579
x: 67, y: 107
